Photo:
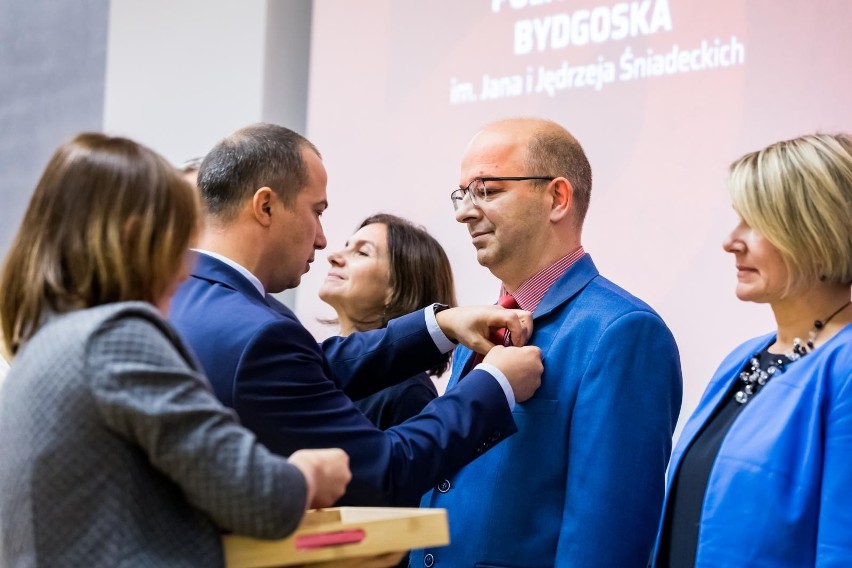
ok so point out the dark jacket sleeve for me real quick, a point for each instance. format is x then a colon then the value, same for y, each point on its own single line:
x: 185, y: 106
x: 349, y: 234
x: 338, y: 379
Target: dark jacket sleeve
x: 359, y: 362
x: 283, y: 393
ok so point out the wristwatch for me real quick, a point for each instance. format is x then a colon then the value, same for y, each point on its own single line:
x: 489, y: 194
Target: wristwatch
x: 439, y: 307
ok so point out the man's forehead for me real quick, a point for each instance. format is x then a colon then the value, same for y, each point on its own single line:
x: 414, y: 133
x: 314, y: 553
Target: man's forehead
x: 493, y: 157
x: 509, y: 132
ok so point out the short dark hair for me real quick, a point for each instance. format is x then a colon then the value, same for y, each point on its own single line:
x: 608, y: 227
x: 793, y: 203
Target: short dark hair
x: 420, y: 272
x: 259, y: 155
x: 553, y: 151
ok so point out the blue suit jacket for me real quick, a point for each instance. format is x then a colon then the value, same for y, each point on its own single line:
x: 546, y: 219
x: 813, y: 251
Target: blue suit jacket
x: 289, y: 390
x: 780, y: 491
x: 582, y: 482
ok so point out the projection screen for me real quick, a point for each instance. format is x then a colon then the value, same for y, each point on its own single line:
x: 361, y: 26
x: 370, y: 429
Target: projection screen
x: 663, y: 95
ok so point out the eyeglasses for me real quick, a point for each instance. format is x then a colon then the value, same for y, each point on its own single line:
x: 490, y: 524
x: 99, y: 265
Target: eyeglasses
x: 480, y: 194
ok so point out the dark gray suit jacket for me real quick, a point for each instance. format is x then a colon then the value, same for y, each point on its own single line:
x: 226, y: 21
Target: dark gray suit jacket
x: 114, y: 451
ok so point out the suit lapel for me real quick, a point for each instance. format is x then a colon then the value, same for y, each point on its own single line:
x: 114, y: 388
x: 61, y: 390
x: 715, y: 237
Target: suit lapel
x: 215, y: 271
x: 567, y: 286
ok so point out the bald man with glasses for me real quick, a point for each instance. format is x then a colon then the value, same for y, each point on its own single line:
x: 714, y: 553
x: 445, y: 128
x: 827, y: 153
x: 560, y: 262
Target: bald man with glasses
x: 582, y: 482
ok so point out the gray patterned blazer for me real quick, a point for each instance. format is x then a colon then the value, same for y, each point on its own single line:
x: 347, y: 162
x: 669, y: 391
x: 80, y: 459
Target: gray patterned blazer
x: 114, y: 451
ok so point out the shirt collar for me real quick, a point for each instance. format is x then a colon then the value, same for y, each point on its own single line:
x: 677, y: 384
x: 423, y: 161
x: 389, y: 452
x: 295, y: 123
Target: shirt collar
x: 238, y: 267
x: 532, y: 290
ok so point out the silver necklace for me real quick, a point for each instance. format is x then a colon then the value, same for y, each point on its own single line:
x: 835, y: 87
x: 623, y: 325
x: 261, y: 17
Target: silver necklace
x: 799, y: 349
x: 755, y: 377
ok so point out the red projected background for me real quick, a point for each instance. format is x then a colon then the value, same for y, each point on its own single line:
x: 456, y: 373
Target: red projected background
x: 663, y: 95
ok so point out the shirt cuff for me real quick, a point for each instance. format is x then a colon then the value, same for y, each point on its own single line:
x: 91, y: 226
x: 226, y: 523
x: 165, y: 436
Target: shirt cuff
x: 443, y: 343
x: 501, y: 380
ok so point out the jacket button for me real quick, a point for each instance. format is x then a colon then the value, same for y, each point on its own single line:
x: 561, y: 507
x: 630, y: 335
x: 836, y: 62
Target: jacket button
x: 443, y: 487
x: 428, y: 560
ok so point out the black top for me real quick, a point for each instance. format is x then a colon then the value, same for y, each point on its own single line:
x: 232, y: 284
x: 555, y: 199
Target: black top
x: 686, y: 498
x: 394, y: 405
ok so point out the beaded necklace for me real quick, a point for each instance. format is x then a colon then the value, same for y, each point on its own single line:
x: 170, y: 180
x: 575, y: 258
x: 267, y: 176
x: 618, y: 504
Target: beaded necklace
x: 756, y: 376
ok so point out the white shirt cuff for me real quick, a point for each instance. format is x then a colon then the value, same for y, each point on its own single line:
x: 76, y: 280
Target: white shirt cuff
x: 443, y: 344
x: 501, y: 380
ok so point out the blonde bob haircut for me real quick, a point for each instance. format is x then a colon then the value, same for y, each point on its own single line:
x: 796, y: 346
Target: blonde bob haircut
x: 798, y: 195
x: 109, y: 221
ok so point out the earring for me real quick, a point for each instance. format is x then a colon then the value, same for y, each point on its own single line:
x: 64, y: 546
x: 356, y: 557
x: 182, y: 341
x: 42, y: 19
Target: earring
x: 823, y: 277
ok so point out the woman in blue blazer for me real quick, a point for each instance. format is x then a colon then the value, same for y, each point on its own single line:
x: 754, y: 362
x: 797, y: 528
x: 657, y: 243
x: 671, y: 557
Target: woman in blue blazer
x: 762, y: 474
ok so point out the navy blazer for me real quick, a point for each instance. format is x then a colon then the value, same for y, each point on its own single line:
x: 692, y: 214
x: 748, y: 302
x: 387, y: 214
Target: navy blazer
x: 289, y: 390
x: 581, y: 484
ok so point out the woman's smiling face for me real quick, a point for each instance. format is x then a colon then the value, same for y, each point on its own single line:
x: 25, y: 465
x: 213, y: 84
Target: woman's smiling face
x: 358, y: 282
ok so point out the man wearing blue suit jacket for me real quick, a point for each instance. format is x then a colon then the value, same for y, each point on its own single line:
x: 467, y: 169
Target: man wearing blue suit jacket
x: 581, y: 483
x: 264, y: 191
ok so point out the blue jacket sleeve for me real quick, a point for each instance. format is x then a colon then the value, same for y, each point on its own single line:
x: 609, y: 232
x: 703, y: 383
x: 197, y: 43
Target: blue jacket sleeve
x: 620, y: 440
x: 834, y: 537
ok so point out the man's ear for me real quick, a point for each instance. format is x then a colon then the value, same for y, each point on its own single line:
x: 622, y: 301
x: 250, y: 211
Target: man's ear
x: 562, y: 193
x: 261, y: 205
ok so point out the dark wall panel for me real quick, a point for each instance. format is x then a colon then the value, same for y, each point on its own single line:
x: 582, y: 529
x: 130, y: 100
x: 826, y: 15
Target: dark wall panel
x: 52, y: 66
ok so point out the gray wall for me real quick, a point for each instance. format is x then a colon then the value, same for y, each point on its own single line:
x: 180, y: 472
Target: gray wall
x: 52, y: 72
x: 216, y: 65
x: 179, y: 76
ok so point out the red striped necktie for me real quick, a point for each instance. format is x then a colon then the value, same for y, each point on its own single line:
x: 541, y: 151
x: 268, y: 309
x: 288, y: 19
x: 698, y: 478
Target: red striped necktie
x: 500, y: 336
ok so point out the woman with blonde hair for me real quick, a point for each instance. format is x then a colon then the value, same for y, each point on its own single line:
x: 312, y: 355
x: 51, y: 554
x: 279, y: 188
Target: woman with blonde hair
x: 114, y: 449
x: 761, y: 473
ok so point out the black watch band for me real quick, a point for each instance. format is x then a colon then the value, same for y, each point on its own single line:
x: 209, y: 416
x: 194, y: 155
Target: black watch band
x: 439, y: 307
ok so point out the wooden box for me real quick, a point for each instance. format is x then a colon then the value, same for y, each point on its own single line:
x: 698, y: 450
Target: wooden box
x: 343, y: 532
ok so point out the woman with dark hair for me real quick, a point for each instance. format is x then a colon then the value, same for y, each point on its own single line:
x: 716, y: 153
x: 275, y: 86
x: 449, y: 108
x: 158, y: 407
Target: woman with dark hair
x: 114, y: 449
x: 761, y: 474
x: 388, y: 268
